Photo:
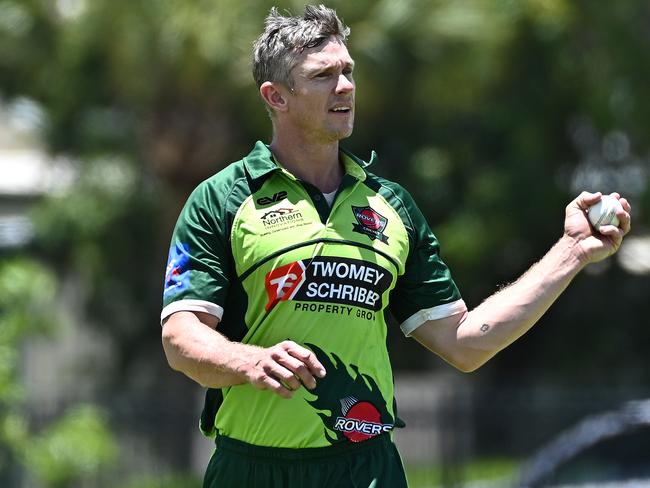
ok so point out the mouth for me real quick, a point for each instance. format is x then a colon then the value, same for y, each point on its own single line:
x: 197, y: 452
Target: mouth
x: 343, y: 109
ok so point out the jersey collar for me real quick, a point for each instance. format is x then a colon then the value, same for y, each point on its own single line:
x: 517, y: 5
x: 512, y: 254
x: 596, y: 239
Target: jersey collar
x: 260, y: 162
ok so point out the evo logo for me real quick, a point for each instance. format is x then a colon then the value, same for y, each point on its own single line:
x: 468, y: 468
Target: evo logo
x: 276, y: 197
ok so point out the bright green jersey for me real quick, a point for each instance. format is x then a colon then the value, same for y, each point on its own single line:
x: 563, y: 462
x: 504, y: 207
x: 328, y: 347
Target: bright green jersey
x: 265, y: 253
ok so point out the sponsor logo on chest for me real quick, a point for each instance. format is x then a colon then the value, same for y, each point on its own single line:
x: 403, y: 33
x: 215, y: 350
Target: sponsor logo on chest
x: 370, y: 223
x: 334, y: 280
x: 268, y: 200
x: 280, y: 217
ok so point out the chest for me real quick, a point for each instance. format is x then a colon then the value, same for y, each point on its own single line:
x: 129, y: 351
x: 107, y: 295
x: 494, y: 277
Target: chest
x: 283, y: 222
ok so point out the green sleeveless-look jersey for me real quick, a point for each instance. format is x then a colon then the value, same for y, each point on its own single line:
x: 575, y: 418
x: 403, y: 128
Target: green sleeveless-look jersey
x: 266, y: 254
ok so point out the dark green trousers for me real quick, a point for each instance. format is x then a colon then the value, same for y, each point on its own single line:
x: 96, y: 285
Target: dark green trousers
x: 374, y: 463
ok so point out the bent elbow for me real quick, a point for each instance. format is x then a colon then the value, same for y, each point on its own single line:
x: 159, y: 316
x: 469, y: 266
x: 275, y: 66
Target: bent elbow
x: 472, y: 367
x: 468, y: 360
x: 169, y: 343
x: 465, y: 366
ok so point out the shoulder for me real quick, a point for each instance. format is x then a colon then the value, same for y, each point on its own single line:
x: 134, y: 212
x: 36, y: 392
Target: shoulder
x: 224, y: 181
x: 214, y: 202
x: 397, y: 196
x: 227, y: 188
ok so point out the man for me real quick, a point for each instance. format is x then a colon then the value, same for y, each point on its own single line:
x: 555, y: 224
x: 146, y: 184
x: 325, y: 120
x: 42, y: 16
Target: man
x: 282, y: 265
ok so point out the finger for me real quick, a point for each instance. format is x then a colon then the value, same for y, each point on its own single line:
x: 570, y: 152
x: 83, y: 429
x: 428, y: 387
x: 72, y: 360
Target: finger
x: 624, y: 222
x: 625, y: 204
x: 309, y: 359
x: 623, y: 213
x: 280, y: 389
x: 300, y: 370
x: 611, y: 231
x: 268, y: 382
x: 608, y: 230
x: 283, y: 375
x: 587, y: 199
x: 305, y: 356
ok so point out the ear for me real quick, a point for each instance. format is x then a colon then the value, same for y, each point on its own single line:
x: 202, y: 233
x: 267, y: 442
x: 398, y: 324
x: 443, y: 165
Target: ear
x: 275, y: 96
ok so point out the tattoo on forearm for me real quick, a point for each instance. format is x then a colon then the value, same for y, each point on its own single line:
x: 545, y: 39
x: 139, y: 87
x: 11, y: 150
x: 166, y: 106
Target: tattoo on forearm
x: 485, y: 328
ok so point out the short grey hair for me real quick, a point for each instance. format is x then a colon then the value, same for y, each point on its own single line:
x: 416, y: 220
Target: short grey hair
x: 276, y: 50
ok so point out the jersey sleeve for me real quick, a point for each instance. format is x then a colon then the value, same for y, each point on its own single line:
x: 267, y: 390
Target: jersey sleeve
x: 198, y: 266
x: 426, y: 290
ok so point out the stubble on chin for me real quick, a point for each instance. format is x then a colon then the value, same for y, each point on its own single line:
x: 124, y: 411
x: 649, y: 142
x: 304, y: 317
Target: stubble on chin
x: 346, y: 132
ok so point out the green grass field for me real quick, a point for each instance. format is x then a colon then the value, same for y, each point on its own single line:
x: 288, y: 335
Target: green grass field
x: 487, y: 469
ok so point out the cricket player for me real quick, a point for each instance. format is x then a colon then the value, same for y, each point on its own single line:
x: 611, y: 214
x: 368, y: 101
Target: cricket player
x: 283, y: 265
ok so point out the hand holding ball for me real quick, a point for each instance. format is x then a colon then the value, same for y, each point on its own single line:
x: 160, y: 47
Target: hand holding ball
x: 604, y: 211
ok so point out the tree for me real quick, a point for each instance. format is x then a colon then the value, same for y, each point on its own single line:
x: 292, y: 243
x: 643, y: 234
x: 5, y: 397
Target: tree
x: 55, y: 455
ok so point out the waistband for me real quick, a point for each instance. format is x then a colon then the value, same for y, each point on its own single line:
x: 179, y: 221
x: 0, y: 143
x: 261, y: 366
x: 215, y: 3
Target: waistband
x: 228, y: 444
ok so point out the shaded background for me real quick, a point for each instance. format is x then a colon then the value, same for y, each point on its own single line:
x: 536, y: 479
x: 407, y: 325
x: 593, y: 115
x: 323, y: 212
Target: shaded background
x: 494, y: 114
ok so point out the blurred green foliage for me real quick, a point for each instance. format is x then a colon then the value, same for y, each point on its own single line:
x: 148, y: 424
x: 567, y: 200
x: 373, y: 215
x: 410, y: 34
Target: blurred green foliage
x: 27, y: 292
x: 494, y: 114
x: 78, y: 444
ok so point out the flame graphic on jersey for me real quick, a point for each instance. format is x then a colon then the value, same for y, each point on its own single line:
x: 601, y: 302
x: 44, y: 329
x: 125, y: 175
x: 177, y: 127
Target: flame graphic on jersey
x: 348, y: 401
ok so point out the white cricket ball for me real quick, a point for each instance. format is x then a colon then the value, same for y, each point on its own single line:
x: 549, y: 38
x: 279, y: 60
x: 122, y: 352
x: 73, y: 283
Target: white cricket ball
x: 604, y: 211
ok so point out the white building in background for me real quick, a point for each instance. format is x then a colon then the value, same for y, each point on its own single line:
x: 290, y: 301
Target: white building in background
x: 27, y: 172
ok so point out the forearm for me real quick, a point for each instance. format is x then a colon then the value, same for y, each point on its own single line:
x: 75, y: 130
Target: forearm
x: 469, y: 340
x: 203, y: 354
x: 509, y: 313
x: 194, y: 347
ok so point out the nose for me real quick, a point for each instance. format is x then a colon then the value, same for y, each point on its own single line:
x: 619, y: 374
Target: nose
x: 344, y: 85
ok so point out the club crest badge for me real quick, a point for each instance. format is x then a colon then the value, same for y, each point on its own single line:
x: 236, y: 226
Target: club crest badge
x: 370, y: 223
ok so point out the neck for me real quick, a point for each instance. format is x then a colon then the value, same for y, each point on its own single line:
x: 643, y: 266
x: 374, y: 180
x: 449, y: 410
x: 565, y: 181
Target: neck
x: 317, y: 164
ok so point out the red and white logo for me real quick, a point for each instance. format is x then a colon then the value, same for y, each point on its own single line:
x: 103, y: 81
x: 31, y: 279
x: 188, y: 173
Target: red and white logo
x: 283, y: 283
x: 369, y: 218
x: 370, y: 222
x: 360, y: 420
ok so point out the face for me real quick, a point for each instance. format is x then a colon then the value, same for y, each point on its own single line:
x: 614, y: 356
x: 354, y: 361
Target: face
x: 321, y: 105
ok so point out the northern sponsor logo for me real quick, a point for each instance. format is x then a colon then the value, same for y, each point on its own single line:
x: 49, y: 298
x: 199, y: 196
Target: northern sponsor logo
x: 336, y: 280
x: 276, y: 197
x: 370, y: 223
x: 281, y: 218
x: 360, y: 420
x: 275, y: 214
